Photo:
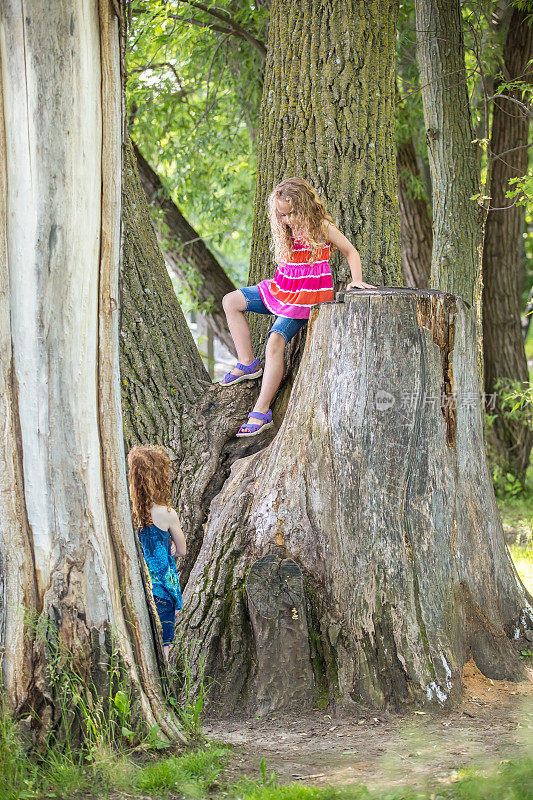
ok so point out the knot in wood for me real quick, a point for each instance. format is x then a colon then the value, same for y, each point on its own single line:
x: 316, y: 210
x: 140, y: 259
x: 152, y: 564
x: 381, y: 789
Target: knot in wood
x: 275, y: 584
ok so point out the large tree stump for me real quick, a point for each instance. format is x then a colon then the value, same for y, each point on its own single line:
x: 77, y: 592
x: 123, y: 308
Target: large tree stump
x: 360, y: 557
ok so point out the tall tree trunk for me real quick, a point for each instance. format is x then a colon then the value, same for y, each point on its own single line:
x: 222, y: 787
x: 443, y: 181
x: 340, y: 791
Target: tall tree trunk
x: 360, y: 558
x: 454, y: 159
x: 328, y: 115
x: 415, y: 218
x: 502, y: 302
x: 190, y: 259
x: 415, y: 222
x: 67, y: 548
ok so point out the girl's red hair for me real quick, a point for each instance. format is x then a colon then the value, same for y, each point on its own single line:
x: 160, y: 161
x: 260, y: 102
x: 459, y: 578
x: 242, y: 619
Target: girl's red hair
x: 149, y: 481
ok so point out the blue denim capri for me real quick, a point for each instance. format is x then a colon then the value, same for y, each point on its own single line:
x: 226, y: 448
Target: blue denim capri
x: 286, y: 326
x: 166, y: 612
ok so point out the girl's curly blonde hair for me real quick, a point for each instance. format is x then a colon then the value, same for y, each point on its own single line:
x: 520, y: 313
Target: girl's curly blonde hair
x: 308, y: 217
x: 149, y: 481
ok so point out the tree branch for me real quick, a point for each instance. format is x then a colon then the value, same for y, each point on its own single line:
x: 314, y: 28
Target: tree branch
x: 237, y: 29
x: 187, y: 255
x: 162, y: 65
x: 519, y: 103
x: 212, y: 26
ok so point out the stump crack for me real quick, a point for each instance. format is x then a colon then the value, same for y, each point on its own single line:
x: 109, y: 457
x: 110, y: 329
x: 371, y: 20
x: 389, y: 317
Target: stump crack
x: 437, y: 314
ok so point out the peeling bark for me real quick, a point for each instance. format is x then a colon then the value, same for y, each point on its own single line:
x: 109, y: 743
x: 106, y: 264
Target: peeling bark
x: 67, y: 549
x: 360, y: 558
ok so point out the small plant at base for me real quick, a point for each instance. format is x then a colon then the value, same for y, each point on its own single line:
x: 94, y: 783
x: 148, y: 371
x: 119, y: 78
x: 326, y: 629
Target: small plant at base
x: 17, y: 774
x: 272, y: 779
x: 189, y: 693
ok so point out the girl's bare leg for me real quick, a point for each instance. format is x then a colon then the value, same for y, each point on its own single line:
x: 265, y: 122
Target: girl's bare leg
x: 272, y: 374
x: 234, y: 305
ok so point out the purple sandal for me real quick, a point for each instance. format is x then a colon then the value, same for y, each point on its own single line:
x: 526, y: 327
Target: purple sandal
x: 251, y: 371
x: 251, y: 428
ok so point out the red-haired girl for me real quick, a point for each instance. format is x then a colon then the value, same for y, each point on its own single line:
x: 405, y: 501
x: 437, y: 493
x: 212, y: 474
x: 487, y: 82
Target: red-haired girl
x: 157, y: 525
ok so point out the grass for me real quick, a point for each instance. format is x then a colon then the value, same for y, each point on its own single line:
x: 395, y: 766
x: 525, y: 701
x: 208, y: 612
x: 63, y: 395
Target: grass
x: 197, y: 775
x: 58, y: 772
x: 192, y: 774
x: 523, y: 560
x: 517, y: 511
x: 510, y: 780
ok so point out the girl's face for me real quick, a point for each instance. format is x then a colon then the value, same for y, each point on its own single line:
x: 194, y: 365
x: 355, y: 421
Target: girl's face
x: 284, y: 210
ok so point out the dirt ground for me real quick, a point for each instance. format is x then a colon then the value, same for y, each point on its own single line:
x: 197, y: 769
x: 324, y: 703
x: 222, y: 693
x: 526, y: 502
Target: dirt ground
x: 381, y: 750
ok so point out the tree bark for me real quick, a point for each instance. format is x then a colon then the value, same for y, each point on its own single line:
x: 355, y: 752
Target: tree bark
x: 360, y: 558
x: 454, y: 159
x: 415, y: 219
x: 187, y: 255
x: 415, y: 222
x: 328, y: 115
x: 67, y: 548
x: 502, y: 303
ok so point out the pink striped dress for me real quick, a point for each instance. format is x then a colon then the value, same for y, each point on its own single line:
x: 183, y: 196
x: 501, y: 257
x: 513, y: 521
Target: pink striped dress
x: 297, y: 284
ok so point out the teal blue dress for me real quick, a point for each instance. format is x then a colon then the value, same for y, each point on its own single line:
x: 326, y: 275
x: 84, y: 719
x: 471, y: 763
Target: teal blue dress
x: 161, y: 565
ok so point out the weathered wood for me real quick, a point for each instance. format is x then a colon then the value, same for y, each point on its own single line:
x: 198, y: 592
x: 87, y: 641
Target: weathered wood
x: 377, y: 487
x: 67, y: 551
x: 276, y: 605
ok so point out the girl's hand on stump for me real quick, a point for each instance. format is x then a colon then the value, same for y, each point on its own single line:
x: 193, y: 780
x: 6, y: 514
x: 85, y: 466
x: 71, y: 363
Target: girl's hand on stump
x: 360, y: 285
x: 172, y: 548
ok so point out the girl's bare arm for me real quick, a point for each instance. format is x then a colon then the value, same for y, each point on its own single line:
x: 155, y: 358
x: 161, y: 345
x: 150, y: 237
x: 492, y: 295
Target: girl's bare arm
x: 352, y: 256
x: 176, y: 533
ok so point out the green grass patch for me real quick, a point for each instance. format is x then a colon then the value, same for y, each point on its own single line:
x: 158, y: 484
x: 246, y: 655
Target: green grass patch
x: 106, y: 772
x: 508, y: 780
x: 192, y: 774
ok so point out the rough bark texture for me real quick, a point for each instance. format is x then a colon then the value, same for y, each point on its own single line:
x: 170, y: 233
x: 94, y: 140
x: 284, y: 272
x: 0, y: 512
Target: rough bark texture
x: 193, y: 263
x: 328, y: 115
x: 413, y: 194
x: 360, y: 558
x: 67, y: 549
x: 415, y: 222
x: 502, y: 303
x: 454, y: 160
